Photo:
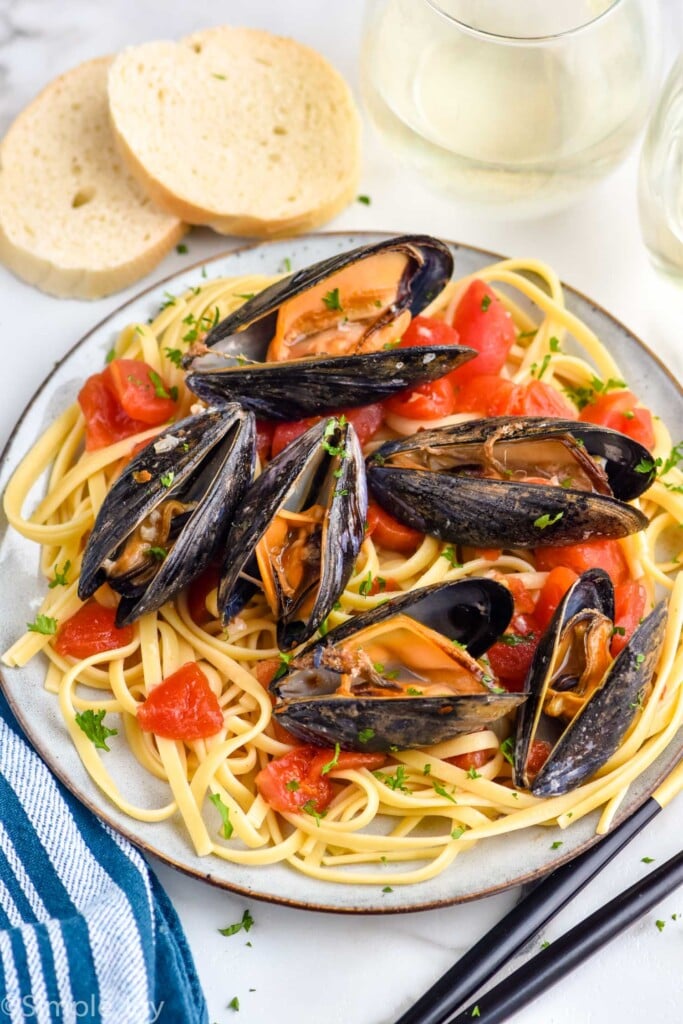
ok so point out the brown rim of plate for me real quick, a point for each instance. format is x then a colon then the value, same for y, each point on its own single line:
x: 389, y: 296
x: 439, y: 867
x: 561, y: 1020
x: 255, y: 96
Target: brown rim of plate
x: 675, y: 749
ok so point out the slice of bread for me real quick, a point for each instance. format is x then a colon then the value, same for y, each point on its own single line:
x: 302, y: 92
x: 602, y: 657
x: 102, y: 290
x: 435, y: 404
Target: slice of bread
x: 72, y: 219
x: 248, y: 132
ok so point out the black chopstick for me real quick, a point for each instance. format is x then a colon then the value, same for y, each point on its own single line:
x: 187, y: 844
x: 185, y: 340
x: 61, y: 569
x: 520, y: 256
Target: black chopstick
x: 566, y: 953
x: 531, y: 913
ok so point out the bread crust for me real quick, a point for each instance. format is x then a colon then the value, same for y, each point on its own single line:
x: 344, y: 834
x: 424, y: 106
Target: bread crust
x: 71, y: 222
x: 327, y: 194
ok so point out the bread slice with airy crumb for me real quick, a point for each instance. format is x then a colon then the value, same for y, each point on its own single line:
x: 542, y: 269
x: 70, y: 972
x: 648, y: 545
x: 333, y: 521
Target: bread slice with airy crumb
x: 247, y: 132
x: 73, y: 221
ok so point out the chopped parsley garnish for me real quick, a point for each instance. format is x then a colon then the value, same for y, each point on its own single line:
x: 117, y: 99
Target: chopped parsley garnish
x: 427, y: 769
x: 285, y: 661
x: 174, y: 355
x: 110, y: 356
x: 459, y: 831
x: 365, y: 735
x: 181, y: 249
x: 438, y: 788
x: 647, y: 860
x: 226, y: 828
x: 245, y: 924
x: 618, y: 631
x: 476, y: 1012
x: 60, y: 577
x: 660, y: 925
x: 167, y: 478
x: 286, y: 265
x: 557, y: 844
x: 43, y: 624
x: 485, y: 303
x: 366, y: 585
x: 365, y: 200
x: 514, y: 639
x: 449, y: 554
x: 545, y: 944
x: 527, y: 334
x: 647, y: 465
x: 331, y: 427
x: 538, y: 371
x: 331, y: 300
x: 310, y: 808
x: 169, y: 300
x: 629, y: 414
x: 461, y: 646
x: 324, y: 627
x: 547, y: 520
x: 293, y: 785
x: 412, y: 691
x: 637, y: 704
x: 341, y: 493
x: 387, y: 888
x: 395, y: 781
x: 92, y: 724
x: 234, y: 1003
x: 583, y: 395
x: 507, y: 749
x: 245, y: 295
x: 472, y: 773
x: 216, y: 75
x: 333, y: 763
x: 158, y: 553
x: 554, y: 344
x: 640, y: 658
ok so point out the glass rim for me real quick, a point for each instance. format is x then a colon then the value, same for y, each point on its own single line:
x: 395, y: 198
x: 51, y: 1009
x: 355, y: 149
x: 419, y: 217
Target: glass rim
x: 521, y: 40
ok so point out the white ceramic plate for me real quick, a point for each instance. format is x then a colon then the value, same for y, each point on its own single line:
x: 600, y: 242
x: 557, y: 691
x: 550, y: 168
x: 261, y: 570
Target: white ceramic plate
x: 493, y: 865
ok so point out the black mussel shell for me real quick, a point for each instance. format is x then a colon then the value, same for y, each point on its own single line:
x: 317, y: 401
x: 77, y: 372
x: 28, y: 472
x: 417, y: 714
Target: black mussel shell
x: 595, y: 732
x: 307, y: 387
x: 205, y: 462
x: 298, y: 477
x: 483, y: 511
x: 473, y: 612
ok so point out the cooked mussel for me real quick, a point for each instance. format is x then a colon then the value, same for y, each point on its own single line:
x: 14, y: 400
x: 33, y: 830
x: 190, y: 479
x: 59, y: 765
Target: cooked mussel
x: 300, y: 528
x: 325, y: 336
x: 581, y: 700
x: 170, y: 509
x: 519, y: 482
x: 402, y: 675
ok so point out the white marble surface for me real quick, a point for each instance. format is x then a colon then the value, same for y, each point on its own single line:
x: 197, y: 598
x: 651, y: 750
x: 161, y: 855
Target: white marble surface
x: 304, y: 967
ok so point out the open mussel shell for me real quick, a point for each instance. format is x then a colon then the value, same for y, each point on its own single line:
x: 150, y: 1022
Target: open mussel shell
x: 435, y: 482
x: 579, y: 747
x: 427, y: 268
x: 428, y: 637
x: 302, y: 524
x: 303, y: 346
x: 170, y: 509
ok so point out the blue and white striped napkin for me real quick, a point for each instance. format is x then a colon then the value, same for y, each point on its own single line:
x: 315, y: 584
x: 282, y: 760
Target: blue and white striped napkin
x: 86, y: 931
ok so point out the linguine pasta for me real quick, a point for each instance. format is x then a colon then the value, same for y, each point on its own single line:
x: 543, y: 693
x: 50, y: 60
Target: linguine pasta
x: 420, y: 812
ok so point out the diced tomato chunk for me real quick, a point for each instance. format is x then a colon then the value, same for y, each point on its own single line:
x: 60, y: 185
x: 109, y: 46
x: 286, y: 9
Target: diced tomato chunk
x: 430, y: 401
x: 629, y: 606
x: 538, y: 755
x: 182, y: 707
x: 389, y: 533
x: 620, y: 411
x: 428, y: 330
x: 140, y: 391
x: 91, y: 630
x: 474, y: 759
x: 553, y: 590
x: 486, y: 394
x: 590, y: 554
x: 105, y: 420
x: 524, y: 598
x: 198, y: 591
x: 366, y: 421
x: 511, y: 657
x: 482, y: 323
x: 291, y: 782
x: 536, y: 398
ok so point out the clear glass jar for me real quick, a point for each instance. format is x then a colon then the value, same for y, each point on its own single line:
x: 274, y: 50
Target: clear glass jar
x: 660, y: 180
x: 515, y: 104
